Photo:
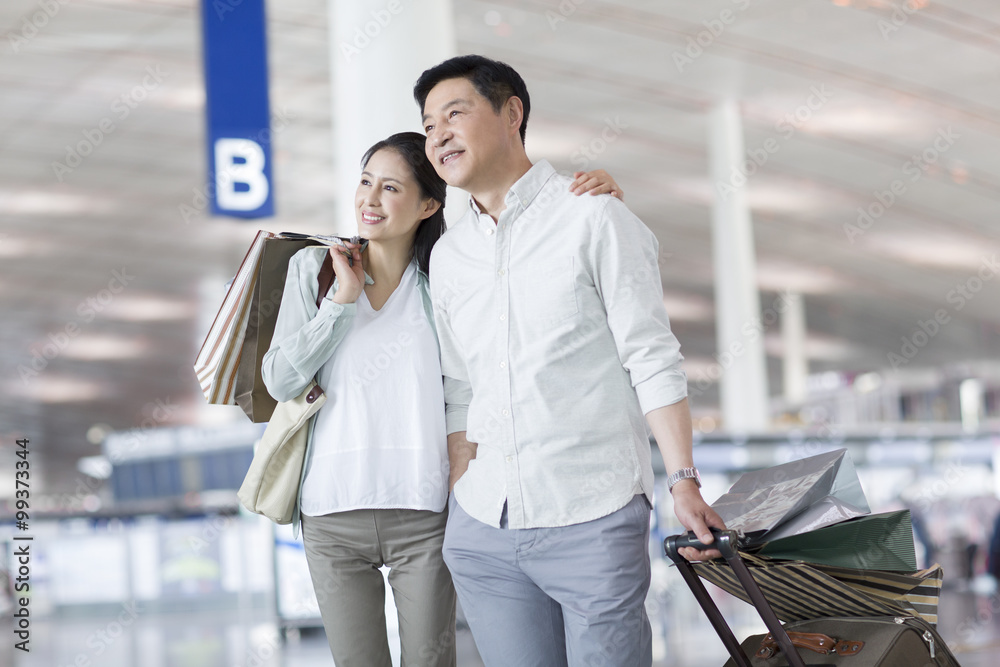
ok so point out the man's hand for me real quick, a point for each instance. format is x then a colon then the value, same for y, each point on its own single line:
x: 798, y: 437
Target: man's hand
x: 597, y: 182
x: 460, y: 452
x: 697, y: 516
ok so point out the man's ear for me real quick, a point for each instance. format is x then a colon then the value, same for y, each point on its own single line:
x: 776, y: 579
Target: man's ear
x: 514, y: 113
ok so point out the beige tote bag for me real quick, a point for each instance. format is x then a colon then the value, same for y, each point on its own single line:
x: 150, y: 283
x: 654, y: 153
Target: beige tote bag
x: 271, y: 486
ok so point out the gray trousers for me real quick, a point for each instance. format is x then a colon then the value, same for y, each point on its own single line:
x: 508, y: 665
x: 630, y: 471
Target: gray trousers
x: 550, y: 597
x: 345, y: 551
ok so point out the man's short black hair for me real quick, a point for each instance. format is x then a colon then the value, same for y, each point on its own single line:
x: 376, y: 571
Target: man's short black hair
x: 494, y: 80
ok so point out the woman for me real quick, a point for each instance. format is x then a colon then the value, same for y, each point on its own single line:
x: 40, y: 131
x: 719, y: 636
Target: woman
x: 375, y: 484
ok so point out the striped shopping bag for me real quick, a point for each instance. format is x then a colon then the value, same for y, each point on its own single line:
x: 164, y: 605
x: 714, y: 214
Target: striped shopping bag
x: 219, y: 357
x: 800, y: 591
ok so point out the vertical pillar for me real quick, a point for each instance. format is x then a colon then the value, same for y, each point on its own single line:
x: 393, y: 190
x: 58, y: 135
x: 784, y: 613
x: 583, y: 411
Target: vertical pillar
x: 743, y: 383
x: 970, y: 403
x: 378, y: 48
x: 795, y: 365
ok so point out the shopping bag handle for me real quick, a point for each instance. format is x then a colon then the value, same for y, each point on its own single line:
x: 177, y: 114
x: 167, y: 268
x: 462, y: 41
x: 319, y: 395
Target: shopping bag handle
x: 726, y: 542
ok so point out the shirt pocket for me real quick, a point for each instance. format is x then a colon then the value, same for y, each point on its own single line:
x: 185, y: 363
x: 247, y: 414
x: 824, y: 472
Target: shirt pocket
x: 546, y: 294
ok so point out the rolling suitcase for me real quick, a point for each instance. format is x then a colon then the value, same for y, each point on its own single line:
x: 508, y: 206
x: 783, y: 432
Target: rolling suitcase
x: 856, y: 642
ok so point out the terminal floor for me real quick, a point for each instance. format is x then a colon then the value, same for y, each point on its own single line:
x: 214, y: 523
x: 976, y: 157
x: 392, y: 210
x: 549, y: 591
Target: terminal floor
x: 970, y: 622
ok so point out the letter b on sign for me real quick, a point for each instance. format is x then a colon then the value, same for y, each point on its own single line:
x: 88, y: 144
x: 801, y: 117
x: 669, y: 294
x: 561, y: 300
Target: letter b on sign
x: 240, y: 181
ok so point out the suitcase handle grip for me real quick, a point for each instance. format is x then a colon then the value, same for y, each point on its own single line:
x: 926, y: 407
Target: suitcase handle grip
x: 725, y: 542
x: 813, y: 641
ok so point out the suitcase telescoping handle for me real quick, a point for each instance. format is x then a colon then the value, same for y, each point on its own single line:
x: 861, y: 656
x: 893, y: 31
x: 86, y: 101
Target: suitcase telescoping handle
x: 725, y: 542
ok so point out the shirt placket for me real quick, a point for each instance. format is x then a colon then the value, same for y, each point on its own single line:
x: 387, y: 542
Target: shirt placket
x: 515, y: 507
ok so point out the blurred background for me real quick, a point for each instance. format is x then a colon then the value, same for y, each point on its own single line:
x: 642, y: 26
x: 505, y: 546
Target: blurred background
x: 822, y: 177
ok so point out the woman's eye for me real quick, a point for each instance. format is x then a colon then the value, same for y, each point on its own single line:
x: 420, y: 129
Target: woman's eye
x: 390, y: 188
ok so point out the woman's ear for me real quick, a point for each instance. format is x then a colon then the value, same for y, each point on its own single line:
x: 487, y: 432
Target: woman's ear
x: 431, y: 207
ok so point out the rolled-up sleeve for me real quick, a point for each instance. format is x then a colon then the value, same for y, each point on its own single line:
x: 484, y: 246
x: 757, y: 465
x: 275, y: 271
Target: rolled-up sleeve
x: 457, y: 388
x: 627, y: 277
x: 305, y: 336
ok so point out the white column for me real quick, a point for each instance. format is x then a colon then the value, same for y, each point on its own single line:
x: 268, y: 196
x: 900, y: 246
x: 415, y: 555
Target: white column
x: 793, y: 337
x: 378, y: 48
x: 743, y: 384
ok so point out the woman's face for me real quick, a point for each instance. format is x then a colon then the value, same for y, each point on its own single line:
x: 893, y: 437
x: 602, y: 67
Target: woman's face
x: 388, y: 202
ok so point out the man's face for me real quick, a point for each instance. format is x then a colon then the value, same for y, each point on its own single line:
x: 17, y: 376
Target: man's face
x: 464, y: 135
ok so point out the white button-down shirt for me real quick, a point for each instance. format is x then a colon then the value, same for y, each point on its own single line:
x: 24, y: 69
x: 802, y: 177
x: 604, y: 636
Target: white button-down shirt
x: 554, y: 345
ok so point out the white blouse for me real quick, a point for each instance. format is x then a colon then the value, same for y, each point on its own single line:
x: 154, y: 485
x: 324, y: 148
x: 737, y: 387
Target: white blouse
x: 380, y: 441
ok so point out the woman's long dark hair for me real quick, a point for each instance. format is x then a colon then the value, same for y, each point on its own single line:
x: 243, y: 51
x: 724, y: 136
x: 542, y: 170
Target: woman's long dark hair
x: 410, y: 146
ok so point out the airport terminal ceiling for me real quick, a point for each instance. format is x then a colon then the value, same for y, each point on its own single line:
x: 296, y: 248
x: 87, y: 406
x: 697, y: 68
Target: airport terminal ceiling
x: 872, y: 136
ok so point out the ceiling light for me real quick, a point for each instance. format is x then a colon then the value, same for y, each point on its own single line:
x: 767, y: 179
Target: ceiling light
x: 931, y: 250
x: 48, y: 202
x: 687, y: 308
x: 102, y: 348
x: 48, y: 388
x: 148, y: 308
x: 782, y: 276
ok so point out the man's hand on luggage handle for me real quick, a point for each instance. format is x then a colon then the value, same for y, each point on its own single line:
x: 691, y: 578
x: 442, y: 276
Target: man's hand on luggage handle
x: 697, y: 516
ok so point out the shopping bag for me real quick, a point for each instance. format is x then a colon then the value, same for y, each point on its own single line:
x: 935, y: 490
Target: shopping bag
x: 872, y: 542
x: 251, y: 394
x: 793, y: 498
x: 799, y: 591
x: 218, y: 359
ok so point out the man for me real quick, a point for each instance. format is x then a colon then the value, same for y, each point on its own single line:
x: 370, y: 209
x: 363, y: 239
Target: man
x: 556, y: 352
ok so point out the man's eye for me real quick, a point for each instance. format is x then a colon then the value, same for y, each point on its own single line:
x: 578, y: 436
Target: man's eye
x: 428, y: 129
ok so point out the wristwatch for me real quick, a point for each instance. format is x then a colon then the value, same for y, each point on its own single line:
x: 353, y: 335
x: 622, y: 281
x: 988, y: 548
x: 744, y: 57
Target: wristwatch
x: 683, y: 473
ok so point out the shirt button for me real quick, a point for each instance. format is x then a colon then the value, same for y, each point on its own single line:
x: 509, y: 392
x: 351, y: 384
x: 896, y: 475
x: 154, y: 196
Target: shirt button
x: 503, y: 364
x: 501, y: 272
x: 489, y: 232
x: 505, y: 412
x: 503, y: 318
x: 509, y: 459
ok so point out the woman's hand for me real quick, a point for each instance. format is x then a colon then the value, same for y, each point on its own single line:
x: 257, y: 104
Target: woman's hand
x: 350, y: 279
x: 597, y: 182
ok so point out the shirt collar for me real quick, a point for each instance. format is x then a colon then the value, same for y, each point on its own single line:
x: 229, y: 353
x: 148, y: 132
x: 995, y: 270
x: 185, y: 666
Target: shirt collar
x: 525, y: 189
